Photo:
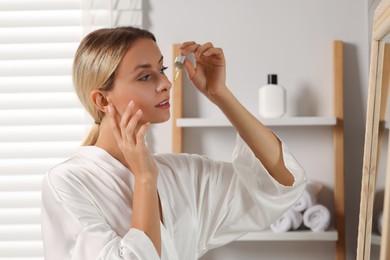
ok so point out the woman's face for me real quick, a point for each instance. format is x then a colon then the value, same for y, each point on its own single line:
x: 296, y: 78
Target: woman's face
x: 141, y: 78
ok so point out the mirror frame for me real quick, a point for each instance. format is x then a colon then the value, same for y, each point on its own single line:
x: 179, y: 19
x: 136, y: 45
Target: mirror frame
x: 381, y: 27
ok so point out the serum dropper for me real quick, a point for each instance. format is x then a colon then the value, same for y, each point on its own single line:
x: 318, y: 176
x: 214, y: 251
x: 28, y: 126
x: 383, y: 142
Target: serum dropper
x: 179, y: 64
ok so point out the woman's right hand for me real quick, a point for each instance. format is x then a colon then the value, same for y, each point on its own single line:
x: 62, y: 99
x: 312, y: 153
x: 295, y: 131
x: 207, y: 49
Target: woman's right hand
x: 130, y: 134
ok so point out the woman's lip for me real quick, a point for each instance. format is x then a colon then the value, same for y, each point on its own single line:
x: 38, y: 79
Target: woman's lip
x: 164, y: 104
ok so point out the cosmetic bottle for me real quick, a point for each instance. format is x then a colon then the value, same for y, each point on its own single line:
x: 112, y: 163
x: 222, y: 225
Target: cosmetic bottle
x: 272, y: 98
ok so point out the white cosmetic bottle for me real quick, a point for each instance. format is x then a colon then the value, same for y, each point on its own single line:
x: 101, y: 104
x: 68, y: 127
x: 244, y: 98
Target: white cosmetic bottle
x: 272, y: 98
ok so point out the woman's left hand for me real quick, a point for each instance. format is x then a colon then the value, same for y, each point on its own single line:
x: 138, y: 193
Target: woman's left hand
x: 209, y: 73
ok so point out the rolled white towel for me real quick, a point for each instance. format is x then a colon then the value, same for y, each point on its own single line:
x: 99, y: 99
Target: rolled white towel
x: 380, y: 222
x: 308, y: 197
x: 317, y: 218
x: 290, y: 220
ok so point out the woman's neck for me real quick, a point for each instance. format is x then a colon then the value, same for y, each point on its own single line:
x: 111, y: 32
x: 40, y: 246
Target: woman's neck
x: 106, y: 140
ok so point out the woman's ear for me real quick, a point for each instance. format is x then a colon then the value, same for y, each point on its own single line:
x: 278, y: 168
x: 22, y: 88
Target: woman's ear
x: 99, y: 99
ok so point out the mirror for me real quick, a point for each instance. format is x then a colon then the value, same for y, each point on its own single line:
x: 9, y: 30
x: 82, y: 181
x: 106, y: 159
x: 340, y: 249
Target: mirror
x: 383, y: 153
x: 375, y: 133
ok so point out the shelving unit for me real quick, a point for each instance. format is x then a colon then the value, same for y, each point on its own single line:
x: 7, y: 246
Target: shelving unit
x: 336, y: 122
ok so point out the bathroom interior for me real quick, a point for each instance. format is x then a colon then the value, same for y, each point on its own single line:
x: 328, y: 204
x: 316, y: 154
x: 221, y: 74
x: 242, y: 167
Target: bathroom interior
x: 321, y: 52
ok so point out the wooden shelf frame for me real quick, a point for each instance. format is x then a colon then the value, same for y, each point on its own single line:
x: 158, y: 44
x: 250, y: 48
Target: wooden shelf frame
x: 337, y: 122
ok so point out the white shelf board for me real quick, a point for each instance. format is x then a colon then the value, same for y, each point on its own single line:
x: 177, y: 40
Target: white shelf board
x: 386, y: 123
x: 282, y: 121
x: 376, y: 239
x: 298, y: 235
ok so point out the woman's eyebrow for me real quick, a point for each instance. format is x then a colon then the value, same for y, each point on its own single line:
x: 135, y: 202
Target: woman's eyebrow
x: 147, y: 65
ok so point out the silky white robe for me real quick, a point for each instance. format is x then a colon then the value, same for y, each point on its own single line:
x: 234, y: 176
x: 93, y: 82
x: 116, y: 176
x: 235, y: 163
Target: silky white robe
x: 87, y: 204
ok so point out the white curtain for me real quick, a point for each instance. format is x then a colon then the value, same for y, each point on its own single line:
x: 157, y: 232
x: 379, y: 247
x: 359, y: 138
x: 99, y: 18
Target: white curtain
x: 41, y: 121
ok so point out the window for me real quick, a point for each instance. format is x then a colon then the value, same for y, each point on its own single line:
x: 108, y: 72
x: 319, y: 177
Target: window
x: 41, y: 120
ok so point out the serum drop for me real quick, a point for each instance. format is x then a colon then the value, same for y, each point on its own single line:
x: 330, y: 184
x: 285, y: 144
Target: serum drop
x: 272, y: 98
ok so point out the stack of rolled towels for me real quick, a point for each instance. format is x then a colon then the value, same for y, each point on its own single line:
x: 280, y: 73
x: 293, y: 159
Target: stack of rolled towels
x: 306, y: 211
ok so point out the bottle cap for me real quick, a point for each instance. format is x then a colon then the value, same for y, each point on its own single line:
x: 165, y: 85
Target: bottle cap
x: 272, y: 79
x: 179, y: 62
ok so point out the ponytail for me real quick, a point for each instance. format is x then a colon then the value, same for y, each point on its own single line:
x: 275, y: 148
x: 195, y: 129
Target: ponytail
x: 92, y: 135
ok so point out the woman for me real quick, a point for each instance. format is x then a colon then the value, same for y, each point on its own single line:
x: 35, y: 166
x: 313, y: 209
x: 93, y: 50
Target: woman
x: 114, y: 200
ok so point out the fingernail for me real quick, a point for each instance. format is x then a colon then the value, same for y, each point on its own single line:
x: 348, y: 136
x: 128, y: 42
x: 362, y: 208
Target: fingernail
x: 109, y: 108
x: 131, y: 103
x: 139, y: 112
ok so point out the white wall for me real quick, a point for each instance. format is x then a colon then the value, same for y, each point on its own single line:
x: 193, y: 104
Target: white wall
x: 293, y: 39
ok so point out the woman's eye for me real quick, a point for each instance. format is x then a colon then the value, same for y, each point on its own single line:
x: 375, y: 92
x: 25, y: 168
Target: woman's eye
x: 144, y: 78
x: 148, y: 76
x: 162, y: 71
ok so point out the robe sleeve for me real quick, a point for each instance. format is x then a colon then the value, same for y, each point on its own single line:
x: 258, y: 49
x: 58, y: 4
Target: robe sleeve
x: 240, y: 197
x: 73, y: 228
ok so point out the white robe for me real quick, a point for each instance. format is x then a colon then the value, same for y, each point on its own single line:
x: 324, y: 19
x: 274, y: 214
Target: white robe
x: 87, y: 204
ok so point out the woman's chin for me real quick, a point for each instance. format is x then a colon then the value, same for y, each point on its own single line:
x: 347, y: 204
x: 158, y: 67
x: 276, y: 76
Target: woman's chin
x: 160, y: 120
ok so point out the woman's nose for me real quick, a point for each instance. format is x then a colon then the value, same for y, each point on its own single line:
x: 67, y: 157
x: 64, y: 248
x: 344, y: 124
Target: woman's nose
x: 165, y: 84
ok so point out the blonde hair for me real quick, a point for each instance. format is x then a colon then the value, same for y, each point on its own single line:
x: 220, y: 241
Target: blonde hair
x: 96, y: 61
